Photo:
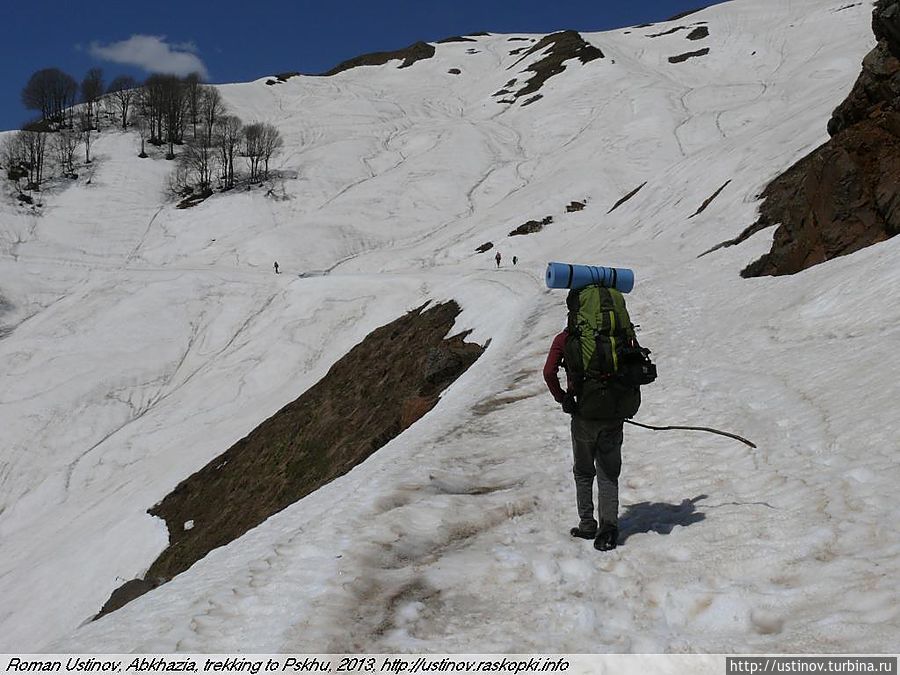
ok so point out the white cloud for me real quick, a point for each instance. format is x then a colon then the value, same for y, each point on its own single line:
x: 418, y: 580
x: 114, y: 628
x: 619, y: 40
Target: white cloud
x: 153, y: 54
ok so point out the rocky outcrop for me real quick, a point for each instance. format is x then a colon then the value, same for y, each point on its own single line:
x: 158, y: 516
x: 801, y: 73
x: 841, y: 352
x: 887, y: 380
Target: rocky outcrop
x: 709, y: 200
x: 626, y: 197
x: 845, y: 195
x: 531, y: 226
x: 681, y: 58
x: 698, y: 33
x: 561, y: 47
x: 380, y: 387
x: 409, y: 55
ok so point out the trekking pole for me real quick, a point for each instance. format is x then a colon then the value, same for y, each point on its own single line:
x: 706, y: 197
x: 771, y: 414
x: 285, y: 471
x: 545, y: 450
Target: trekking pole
x: 712, y: 431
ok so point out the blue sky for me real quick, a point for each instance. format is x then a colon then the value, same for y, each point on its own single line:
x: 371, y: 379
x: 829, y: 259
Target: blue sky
x: 233, y: 41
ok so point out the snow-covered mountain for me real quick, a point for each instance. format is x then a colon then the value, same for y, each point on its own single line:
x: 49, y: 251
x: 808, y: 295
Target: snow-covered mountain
x: 139, y: 341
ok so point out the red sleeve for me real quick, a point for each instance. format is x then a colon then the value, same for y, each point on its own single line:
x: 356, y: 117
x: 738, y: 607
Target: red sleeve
x: 551, y: 367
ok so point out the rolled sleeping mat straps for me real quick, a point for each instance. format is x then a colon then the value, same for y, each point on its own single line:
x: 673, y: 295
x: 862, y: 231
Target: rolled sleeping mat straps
x: 565, y: 275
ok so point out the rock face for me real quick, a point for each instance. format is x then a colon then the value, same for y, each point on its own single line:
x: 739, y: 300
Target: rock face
x: 378, y: 389
x: 409, y: 55
x: 560, y: 47
x: 845, y: 195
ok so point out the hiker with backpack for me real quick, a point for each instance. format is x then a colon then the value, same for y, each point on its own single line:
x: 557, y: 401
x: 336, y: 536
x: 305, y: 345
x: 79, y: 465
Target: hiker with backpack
x: 604, y: 367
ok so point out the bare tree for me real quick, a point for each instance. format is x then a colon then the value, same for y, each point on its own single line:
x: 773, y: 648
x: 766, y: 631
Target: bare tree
x: 33, y: 151
x: 252, y: 148
x: 91, y: 91
x: 13, y: 157
x: 261, y: 141
x: 199, y: 156
x: 198, y: 160
x: 211, y: 108
x: 153, y: 97
x: 228, y: 132
x: 142, y: 123
x: 270, y: 143
x: 123, y: 91
x: 192, y: 93
x: 65, y: 145
x: 50, y: 91
x: 85, y: 126
x: 166, y: 103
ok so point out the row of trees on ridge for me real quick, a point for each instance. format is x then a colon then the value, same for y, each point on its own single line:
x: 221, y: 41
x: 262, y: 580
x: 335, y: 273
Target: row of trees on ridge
x: 166, y: 110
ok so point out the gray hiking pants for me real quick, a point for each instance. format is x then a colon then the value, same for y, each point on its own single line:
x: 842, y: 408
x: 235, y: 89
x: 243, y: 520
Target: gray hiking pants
x: 597, y: 447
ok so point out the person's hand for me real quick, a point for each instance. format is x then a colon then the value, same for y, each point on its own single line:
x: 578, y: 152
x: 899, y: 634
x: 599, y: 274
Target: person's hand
x: 569, y: 405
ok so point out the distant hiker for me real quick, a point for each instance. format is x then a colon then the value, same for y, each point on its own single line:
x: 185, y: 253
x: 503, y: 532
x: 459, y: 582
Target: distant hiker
x: 497, y: 258
x: 515, y: 260
x: 276, y: 268
x: 599, y: 398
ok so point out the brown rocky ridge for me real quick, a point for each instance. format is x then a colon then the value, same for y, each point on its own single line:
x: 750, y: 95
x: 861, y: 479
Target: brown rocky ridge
x: 845, y: 195
x: 409, y: 55
x: 372, y: 394
x: 564, y: 45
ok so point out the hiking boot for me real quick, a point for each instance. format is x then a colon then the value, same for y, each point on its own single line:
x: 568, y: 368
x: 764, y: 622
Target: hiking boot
x: 607, y: 539
x: 585, y: 530
x: 583, y: 534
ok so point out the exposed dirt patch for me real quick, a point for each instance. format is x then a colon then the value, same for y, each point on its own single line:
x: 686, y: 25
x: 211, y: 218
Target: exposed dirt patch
x: 380, y: 387
x: 709, y: 200
x: 626, y: 197
x: 531, y: 226
x: 845, y: 195
x: 409, y: 55
x: 495, y: 403
x: 681, y: 58
x: 563, y: 46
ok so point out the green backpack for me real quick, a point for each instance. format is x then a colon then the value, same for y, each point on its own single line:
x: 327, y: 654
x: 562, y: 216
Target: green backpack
x: 602, y: 355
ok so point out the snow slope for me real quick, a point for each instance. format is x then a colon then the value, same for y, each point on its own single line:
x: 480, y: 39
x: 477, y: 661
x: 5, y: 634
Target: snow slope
x: 144, y: 340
